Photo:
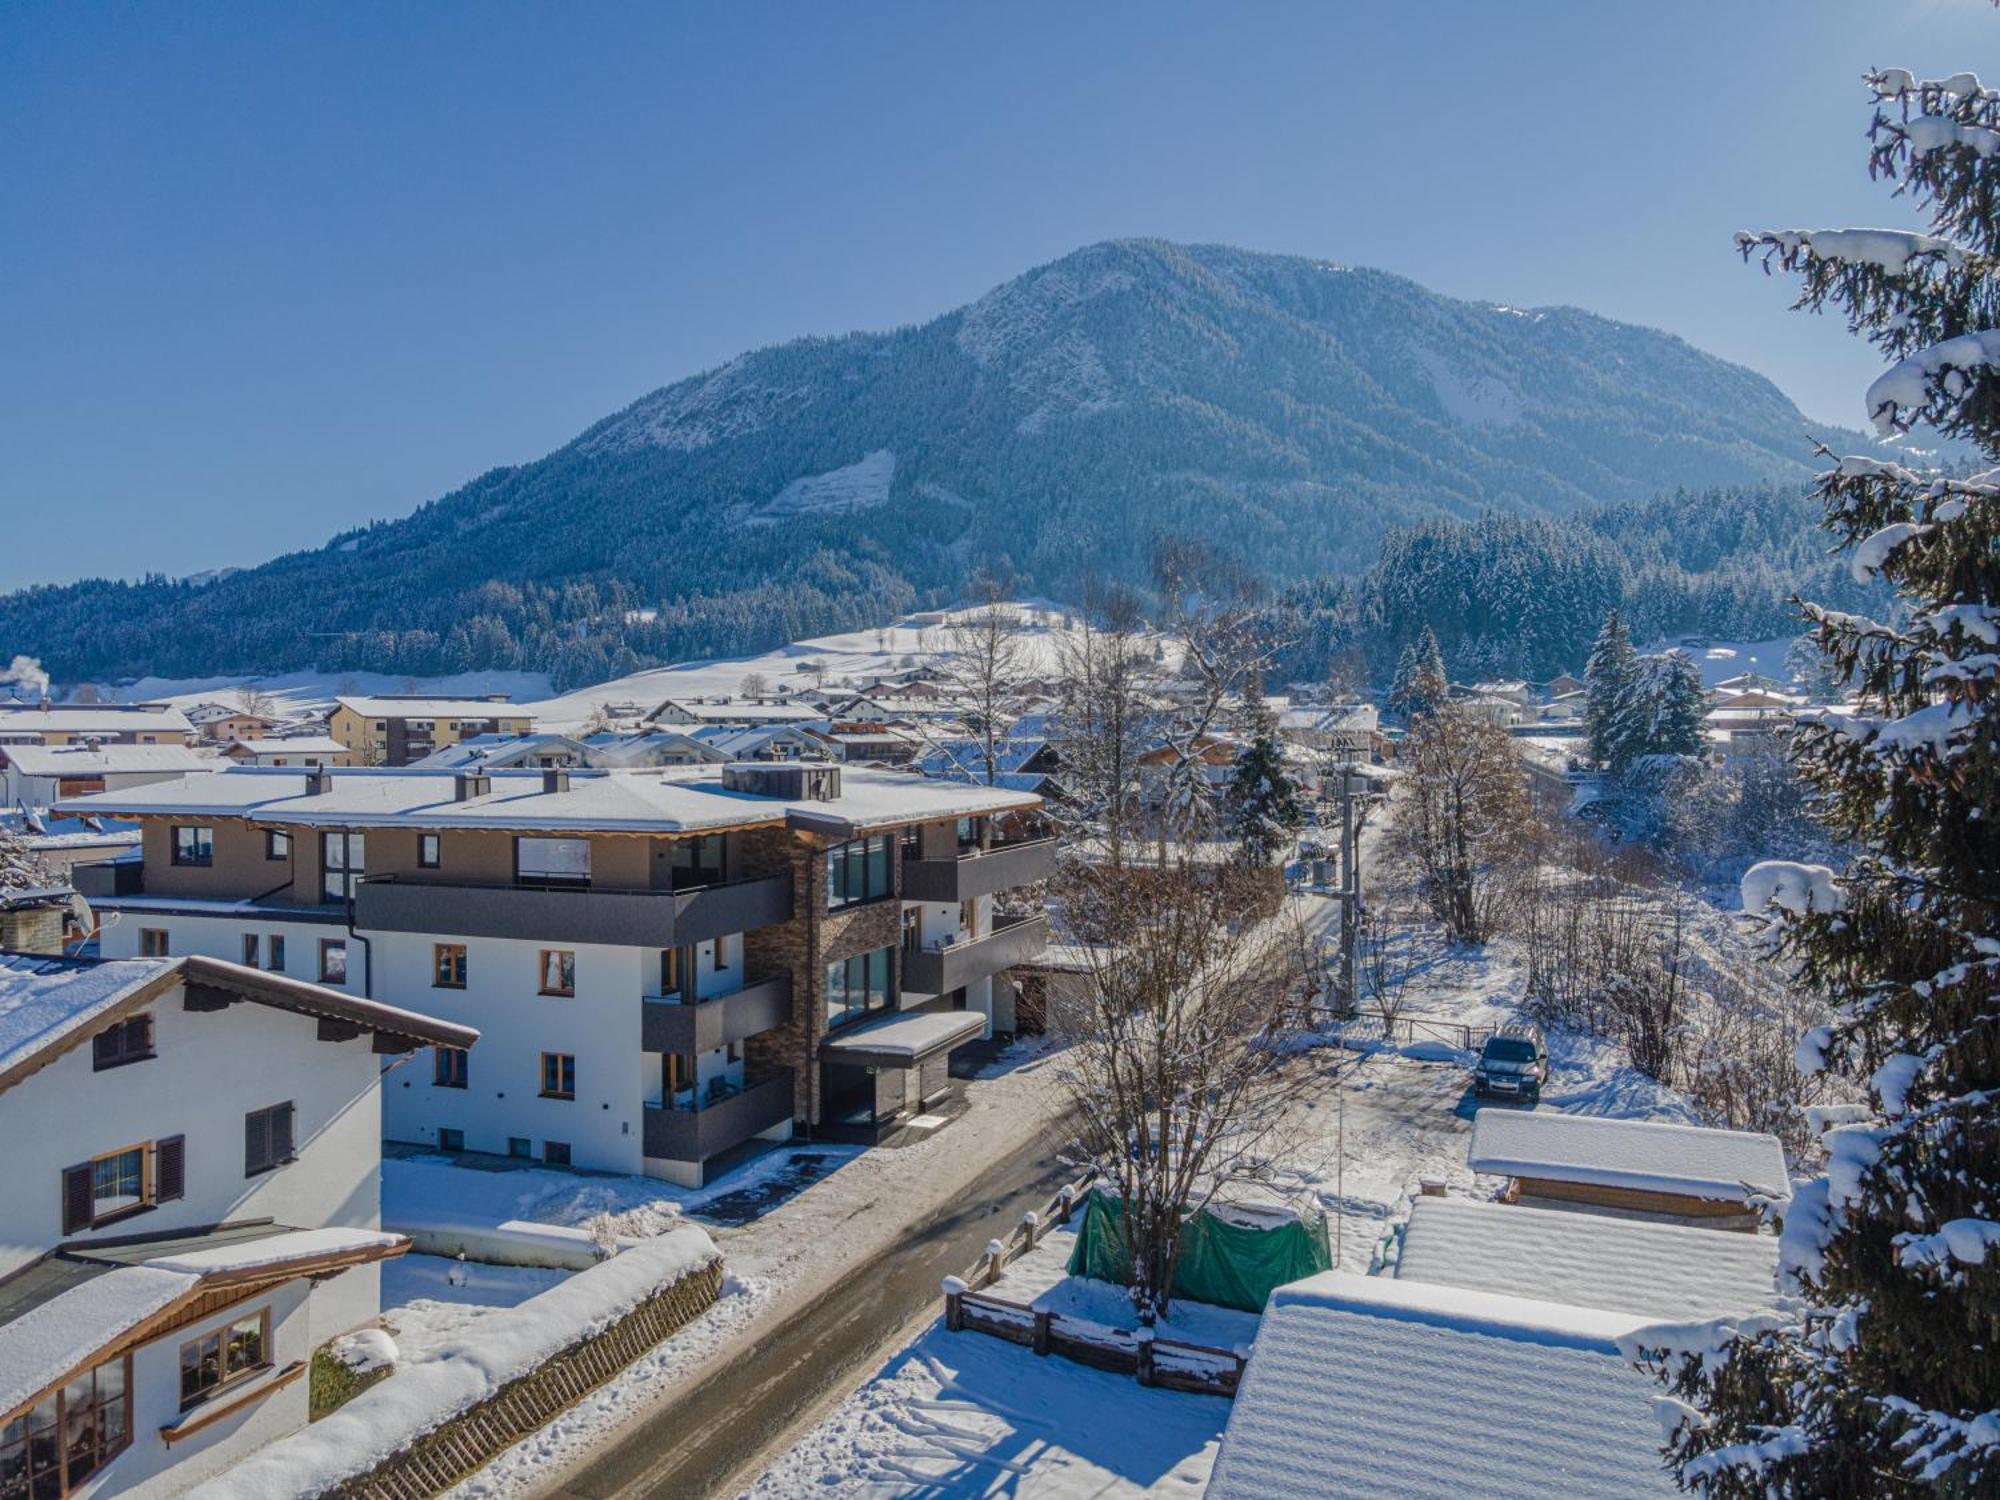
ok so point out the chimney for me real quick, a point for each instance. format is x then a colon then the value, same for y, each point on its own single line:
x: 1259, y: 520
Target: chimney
x: 31, y: 921
x: 469, y: 784
x: 554, y: 779
x: 319, y: 782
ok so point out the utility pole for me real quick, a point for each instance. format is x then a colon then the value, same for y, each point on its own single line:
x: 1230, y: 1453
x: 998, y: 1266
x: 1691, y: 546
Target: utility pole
x: 1351, y: 786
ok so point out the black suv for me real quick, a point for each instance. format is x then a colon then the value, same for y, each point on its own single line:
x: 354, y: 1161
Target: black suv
x: 1514, y: 1064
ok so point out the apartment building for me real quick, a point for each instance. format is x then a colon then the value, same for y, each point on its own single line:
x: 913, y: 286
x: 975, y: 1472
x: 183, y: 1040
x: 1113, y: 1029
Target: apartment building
x: 665, y: 965
x: 394, y: 729
x: 104, y: 723
x: 192, y: 1184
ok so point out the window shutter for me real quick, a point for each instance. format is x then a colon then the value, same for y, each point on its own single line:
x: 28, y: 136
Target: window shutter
x: 281, y: 1132
x: 256, y: 1141
x: 142, y: 1034
x: 170, y: 1169
x: 77, y: 1199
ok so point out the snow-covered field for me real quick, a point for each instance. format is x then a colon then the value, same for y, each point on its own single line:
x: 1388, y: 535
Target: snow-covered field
x: 430, y: 1299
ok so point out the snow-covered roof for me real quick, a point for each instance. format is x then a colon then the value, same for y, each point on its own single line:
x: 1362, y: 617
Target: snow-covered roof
x: 1668, y: 1271
x: 498, y: 750
x: 1648, y: 1155
x: 434, y: 708
x: 95, y: 718
x: 44, y: 1000
x: 293, y: 744
x: 674, y: 800
x: 1363, y: 1385
x: 916, y: 1034
x: 739, y: 711
x: 43, y: 1346
x: 1325, y: 718
x: 103, y: 759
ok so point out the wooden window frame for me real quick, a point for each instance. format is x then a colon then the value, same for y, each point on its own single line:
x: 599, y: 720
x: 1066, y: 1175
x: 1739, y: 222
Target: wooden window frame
x: 60, y: 1396
x: 229, y: 1382
x: 440, y: 953
x: 546, y: 1092
x: 326, y: 946
x: 154, y: 943
x: 543, y: 987
x: 147, y: 1182
x: 174, y: 845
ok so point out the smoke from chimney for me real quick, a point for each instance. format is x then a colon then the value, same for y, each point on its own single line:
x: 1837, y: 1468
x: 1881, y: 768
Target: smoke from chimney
x: 26, y: 672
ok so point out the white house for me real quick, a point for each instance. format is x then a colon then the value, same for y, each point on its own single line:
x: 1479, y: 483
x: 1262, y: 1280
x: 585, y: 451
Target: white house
x: 192, y: 1184
x: 288, y: 750
x: 69, y: 723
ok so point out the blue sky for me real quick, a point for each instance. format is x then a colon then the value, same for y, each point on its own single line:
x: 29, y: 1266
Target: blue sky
x: 267, y: 272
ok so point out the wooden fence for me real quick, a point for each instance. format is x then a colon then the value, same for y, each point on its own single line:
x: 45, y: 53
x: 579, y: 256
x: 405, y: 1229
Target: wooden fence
x: 467, y: 1442
x: 1167, y: 1363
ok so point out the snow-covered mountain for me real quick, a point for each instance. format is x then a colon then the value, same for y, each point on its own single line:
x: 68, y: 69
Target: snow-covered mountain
x: 1287, y: 409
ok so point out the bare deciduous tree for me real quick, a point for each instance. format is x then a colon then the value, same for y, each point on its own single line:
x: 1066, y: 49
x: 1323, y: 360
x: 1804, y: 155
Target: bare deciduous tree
x: 754, y: 685
x: 1462, y: 816
x: 254, y: 701
x: 1173, y: 1069
x: 980, y: 672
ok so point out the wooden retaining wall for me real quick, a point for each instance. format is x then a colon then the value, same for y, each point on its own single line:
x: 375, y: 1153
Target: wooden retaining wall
x: 467, y: 1442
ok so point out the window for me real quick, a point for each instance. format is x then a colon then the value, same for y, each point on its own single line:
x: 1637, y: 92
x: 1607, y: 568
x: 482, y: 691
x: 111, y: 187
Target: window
x: 556, y: 1153
x: 76, y: 1430
x: 448, y: 966
x: 698, y: 861
x: 332, y: 961
x: 123, y: 1182
x: 450, y: 1067
x: 857, y: 985
x: 430, y: 851
x: 912, y: 840
x: 449, y: 1139
x: 249, y: 950
x: 277, y: 844
x: 969, y: 830
x: 858, y: 871
x: 276, y: 949
x: 224, y: 1356
x: 193, y: 846
x: 520, y: 1146
x: 722, y: 953
x: 117, y: 1182
x: 551, y: 861
x: 342, y: 858
x: 670, y: 971
x: 152, y: 942
x: 131, y: 1040
x: 558, y: 1075
x: 558, y: 971
x: 267, y: 1139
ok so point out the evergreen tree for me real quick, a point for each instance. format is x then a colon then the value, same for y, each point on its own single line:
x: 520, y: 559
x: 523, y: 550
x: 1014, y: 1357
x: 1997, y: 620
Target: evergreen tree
x: 1883, y: 1376
x: 1666, y: 708
x: 1607, y: 702
x: 1267, y: 813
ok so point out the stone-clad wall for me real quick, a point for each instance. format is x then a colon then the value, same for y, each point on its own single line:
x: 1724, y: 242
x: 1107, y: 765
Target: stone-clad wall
x: 804, y: 946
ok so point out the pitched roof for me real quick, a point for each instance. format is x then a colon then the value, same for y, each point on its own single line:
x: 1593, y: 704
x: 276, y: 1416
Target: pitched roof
x: 1363, y: 1385
x: 49, y: 1005
x: 434, y: 708
x: 1648, y: 1155
x: 103, y: 759
x: 95, y: 718
x: 1666, y: 1271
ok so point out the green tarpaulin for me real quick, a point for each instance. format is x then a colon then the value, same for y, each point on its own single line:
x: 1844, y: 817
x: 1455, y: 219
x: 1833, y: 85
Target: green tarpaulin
x: 1228, y: 1265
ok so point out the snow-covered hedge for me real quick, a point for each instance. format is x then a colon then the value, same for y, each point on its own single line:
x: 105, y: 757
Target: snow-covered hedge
x: 502, y: 1348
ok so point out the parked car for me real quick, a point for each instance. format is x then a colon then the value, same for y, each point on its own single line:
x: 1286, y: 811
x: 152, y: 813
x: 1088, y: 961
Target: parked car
x: 1514, y: 1064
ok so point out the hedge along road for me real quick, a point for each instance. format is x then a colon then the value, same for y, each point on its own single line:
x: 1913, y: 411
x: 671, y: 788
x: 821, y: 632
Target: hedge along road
x: 718, y: 1435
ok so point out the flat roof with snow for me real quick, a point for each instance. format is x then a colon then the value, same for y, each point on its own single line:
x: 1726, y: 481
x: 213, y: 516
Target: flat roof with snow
x: 907, y: 1038
x: 1666, y: 1271
x: 103, y: 760
x: 1646, y: 1155
x: 435, y: 708
x: 95, y: 718
x: 672, y: 800
x: 1362, y: 1385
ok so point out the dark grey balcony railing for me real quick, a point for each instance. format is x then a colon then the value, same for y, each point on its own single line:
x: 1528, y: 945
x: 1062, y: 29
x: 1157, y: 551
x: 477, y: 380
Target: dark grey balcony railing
x: 579, y: 914
x: 111, y: 877
x: 938, y: 971
x: 672, y: 1024
x: 697, y: 1134
x: 978, y: 873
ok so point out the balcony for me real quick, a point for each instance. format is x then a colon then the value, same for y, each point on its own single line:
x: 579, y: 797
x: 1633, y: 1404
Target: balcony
x: 939, y: 971
x: 722, y: 1122
x: 111, y: 877
x: 579, y: 914
x: 979, y: 872
x: 672, y: 1024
